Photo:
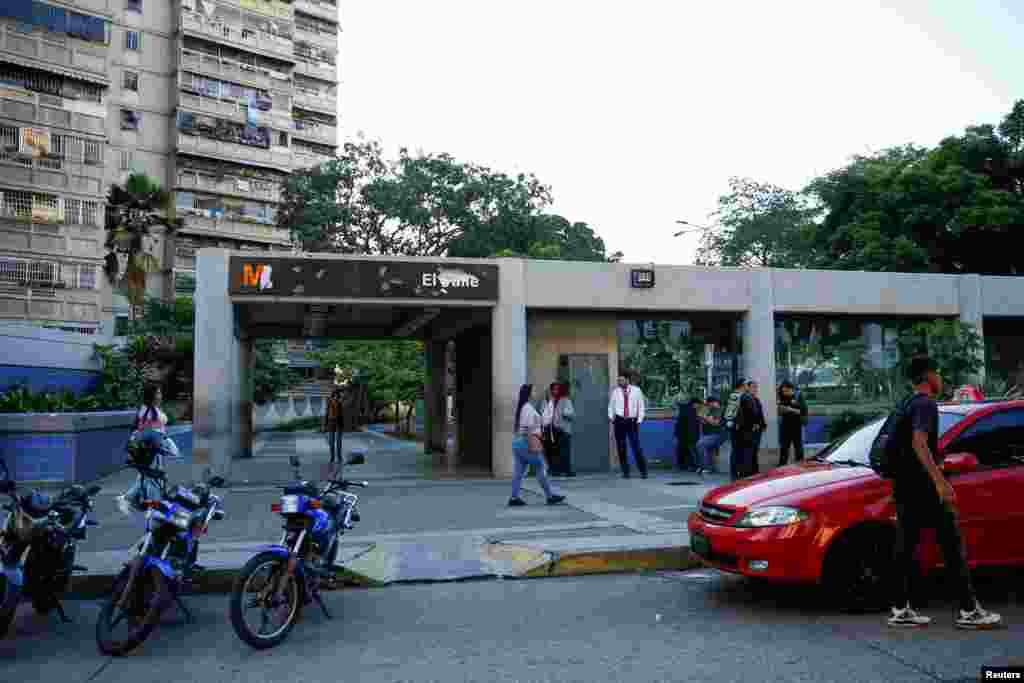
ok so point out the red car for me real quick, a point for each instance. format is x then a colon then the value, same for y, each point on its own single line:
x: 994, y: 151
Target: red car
x: 830, y: 519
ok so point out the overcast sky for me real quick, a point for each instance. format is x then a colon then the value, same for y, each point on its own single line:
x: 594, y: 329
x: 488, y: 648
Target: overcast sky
x: 638, y: 113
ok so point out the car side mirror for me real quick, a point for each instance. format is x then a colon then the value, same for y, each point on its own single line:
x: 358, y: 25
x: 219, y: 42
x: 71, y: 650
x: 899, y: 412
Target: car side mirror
x: 356, y: 459
x: 960, y: 463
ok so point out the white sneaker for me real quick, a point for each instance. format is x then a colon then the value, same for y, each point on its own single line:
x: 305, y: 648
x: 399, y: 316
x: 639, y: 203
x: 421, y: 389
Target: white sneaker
x: 978, y: 619
x: 908, y: 618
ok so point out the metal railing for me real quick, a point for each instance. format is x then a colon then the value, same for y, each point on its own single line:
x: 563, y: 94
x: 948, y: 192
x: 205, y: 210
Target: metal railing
x: 254, y: 189
x: 194, y: 144
x: 247, y: 39
x: 236, y: 228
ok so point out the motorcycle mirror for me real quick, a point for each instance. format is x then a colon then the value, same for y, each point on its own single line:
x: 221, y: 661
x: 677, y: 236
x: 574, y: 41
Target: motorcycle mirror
x: 217, y: 482
x: 92, y: 491
x: 294, y: 461
x: 356, y: 459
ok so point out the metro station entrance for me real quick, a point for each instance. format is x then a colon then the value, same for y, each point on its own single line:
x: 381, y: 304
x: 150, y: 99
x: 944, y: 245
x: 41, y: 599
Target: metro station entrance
x: 244, y: 296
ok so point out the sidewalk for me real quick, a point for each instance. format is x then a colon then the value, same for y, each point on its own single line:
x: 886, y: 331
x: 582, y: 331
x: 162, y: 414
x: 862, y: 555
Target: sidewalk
x: 417, y: 528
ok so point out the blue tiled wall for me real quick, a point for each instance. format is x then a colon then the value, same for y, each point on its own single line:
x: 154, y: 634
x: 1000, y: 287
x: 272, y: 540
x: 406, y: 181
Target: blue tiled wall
x: 48, y: 379
x: 38, y: 457
x: 100, y: 452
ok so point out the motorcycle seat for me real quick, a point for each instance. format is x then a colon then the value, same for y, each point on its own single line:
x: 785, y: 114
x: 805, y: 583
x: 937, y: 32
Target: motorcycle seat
x: 36, y: 504
x: 301, y: 488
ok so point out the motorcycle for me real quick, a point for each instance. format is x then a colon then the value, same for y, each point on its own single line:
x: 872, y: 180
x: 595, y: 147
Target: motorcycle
x: 38, y: 544
x: 164, y: 565
x: 286, y: 577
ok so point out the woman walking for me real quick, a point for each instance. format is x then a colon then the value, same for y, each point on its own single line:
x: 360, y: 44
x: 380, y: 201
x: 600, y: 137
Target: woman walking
x: 528, y: 449
x: 557, y: 422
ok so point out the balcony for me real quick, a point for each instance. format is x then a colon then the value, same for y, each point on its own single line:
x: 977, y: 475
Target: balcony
x: 234, y: 229
x: 228, y: 70
x: 322, y: 102
x: 324, y: 134
x: 42, y: 303
x: 265, y: 8
x: 317, y: 36
x: 259, y: 42
x: 235, y: 111
x: 37, y: 108
x: 318, y: 8
x: 229, y: 187
x: 309, y: 160
x: 200, y: 146
x: 319, y: 70
x: 51, y: 52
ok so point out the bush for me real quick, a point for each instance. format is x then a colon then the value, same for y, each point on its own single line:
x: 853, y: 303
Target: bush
x: 20, y: 399
x: 298, y: 425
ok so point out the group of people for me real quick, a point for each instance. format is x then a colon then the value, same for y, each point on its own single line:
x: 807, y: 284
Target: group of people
x: 703, y: 426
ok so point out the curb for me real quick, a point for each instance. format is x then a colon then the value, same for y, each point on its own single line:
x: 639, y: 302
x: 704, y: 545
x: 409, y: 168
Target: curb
x: 581, y: 563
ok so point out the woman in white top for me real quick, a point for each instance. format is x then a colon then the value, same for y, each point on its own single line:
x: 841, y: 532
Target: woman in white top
x: 528, y: 449
x: 557, y: 421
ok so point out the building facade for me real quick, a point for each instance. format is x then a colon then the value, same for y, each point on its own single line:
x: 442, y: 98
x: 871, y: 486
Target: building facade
x: 218, y: 100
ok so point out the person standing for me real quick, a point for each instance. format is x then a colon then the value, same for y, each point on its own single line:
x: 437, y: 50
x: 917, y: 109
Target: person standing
x: 924, y: 498
x: 688, y: 433
x: 792, y: 418
x: 557, y: 421
x: 713, y: 436
x: 732, y: 413
x: 528, y: 449
x: 759, y: 426
x: 332, y: 426
x: 626, y: 413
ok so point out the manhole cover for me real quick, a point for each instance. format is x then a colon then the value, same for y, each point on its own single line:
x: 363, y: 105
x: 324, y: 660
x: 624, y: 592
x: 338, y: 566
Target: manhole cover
x: 684, y: 483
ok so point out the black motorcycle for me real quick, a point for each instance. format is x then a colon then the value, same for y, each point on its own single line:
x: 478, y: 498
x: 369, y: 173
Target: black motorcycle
x: 37, y: 546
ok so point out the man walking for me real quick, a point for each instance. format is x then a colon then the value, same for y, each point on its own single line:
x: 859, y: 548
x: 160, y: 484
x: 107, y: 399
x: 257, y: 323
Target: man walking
x: 732, y: 413
x: 688, y: 434
x: 626, y: 413
x: 759, y: 426
x: 925, y: 499
x: 792, y: 418
x: 332, y: 425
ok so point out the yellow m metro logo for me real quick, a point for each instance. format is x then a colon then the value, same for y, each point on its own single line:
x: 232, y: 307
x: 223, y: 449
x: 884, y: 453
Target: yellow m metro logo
x: 256, y: 275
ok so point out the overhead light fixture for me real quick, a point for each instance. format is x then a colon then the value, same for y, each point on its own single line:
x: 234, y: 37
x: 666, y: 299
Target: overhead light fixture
x: 416, y: 323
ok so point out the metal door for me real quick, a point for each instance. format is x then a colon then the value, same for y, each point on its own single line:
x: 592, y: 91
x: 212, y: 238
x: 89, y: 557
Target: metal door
x: 587, y: 376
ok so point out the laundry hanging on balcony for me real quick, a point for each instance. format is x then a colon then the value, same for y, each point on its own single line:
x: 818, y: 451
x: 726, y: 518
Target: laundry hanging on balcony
x: 35, y: 142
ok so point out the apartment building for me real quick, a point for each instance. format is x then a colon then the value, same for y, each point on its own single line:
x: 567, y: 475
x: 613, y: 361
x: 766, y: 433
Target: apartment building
x: 218, y: 100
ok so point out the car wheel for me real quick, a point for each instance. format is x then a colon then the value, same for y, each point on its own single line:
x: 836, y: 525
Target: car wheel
x: 859, y: 571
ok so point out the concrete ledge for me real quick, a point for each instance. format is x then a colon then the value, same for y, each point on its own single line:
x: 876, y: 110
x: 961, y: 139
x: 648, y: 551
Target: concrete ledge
x: 617, y: 561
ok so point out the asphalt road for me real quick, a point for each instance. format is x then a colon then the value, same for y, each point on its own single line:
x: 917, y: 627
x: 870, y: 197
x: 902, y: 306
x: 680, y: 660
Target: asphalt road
x: 696, y: 626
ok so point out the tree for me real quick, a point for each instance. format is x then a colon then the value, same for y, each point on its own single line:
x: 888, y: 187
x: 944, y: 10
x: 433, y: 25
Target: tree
x: 762, y: 225
x: 394, y: 371
x: 543, y: 236
x: 133, y: 211
x: 956, y: 348
x: 269, y: 377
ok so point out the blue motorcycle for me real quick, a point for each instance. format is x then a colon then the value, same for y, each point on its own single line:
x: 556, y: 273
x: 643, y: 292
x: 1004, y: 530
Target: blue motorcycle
x: 283, y: 578
x: 164, y: 564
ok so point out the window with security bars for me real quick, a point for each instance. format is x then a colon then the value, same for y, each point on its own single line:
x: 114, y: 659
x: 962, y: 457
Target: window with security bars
x: 9, y: 146
x: 80, y: 212
x: 78, y: 275
x: 16, y: 204
x: 93, y: 152
x: 13, y: 271
x: 44, y: 273
x: 133, y: 40
x: 126, y: 160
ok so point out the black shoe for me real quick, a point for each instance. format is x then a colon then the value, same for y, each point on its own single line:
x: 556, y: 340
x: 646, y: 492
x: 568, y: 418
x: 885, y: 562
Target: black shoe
x: 516, y: 503
x: 643, y: 475
x: 555, y: 500
x: 570, y: 474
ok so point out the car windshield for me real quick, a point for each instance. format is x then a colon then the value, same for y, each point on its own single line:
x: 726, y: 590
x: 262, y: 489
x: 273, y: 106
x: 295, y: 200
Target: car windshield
x: 856, y: 445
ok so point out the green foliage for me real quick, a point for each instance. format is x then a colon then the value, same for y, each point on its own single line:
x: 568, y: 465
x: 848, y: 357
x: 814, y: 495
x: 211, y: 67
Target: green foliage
x: 393, y: 371
x: 670, y: 368
x: 762, y: 225
x: 956, y: 347
x: 269, y: 378
x: 302, y: 424
x: 847, y: 421
x: 121, y: 380
x: 19, y: 399
x: 426, y: 205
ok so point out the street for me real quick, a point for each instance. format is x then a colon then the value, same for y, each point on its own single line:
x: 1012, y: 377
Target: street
x: 712, y: 627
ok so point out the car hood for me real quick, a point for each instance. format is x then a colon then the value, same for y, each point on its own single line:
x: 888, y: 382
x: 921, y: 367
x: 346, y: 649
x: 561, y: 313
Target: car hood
x: 785, y: 485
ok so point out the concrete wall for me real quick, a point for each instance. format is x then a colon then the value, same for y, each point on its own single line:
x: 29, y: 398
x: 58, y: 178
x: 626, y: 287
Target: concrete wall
x: 48, y: 359
x: 287, y: 409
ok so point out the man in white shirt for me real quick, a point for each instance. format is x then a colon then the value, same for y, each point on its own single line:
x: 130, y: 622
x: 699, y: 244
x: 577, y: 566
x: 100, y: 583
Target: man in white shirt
x: 626, y: 413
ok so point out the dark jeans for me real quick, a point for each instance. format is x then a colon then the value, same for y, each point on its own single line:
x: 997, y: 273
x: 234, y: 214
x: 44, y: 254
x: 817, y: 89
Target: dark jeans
x: 629, y: 428
x: 914, y: 516
x: 791, y: 436
x: 742, y: 465
x: 561, y: 454
x: 334, y: 442
x: 686, y: 454
x: 755, y: 464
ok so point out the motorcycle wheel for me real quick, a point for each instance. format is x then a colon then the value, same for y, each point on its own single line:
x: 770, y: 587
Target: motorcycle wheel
x: 10, y: 596
x: 151, y: 593
x: 248, y: 584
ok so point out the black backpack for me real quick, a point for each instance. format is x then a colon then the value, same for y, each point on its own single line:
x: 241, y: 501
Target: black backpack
x: 892, y: 441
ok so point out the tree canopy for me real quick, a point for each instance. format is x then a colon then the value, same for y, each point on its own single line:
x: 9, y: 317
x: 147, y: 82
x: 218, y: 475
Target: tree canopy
x: 955, y: 208
x: 424, y: 204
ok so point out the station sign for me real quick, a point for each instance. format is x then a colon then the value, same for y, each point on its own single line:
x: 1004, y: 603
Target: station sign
x: 338, y: 278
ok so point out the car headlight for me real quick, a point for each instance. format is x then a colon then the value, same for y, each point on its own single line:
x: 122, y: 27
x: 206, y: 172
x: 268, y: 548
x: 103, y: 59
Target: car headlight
x: 773, y: 516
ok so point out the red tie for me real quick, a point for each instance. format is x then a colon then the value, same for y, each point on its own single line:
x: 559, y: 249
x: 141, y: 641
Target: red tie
x: 625, y: 400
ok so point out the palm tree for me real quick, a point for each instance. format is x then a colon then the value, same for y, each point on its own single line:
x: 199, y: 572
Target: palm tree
x: 132, y: 212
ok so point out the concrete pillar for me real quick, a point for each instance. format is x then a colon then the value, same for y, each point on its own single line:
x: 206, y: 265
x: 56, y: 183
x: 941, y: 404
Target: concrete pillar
x: 972, y: 313
x: 246, y: 360
x: 216, y: 368
x: 435, y: 418
x: 508, y: 360
x: 473, y: 396
x: 759, y: 350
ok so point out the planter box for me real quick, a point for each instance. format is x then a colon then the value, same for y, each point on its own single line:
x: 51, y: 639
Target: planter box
x: 64, y: 447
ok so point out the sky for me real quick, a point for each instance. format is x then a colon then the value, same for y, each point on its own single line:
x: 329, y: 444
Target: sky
x: 637, y: 114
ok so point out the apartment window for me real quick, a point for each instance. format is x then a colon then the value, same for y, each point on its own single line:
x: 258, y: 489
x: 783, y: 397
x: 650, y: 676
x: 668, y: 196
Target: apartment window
x: 126, y: 160
x: 93, y: 152
x: 131, y: 81
x: 79, y: 275
x: 13, y: 272
x: 130, y: 119
x: 43, y: 273
x: 134, y: 5
x: 133, y: 40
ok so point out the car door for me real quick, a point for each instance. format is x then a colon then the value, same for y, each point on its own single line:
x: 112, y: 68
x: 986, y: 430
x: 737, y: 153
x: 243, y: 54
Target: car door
x: 991, y: 499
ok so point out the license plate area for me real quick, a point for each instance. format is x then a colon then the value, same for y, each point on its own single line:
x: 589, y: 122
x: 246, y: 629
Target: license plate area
x: 700, y: 545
